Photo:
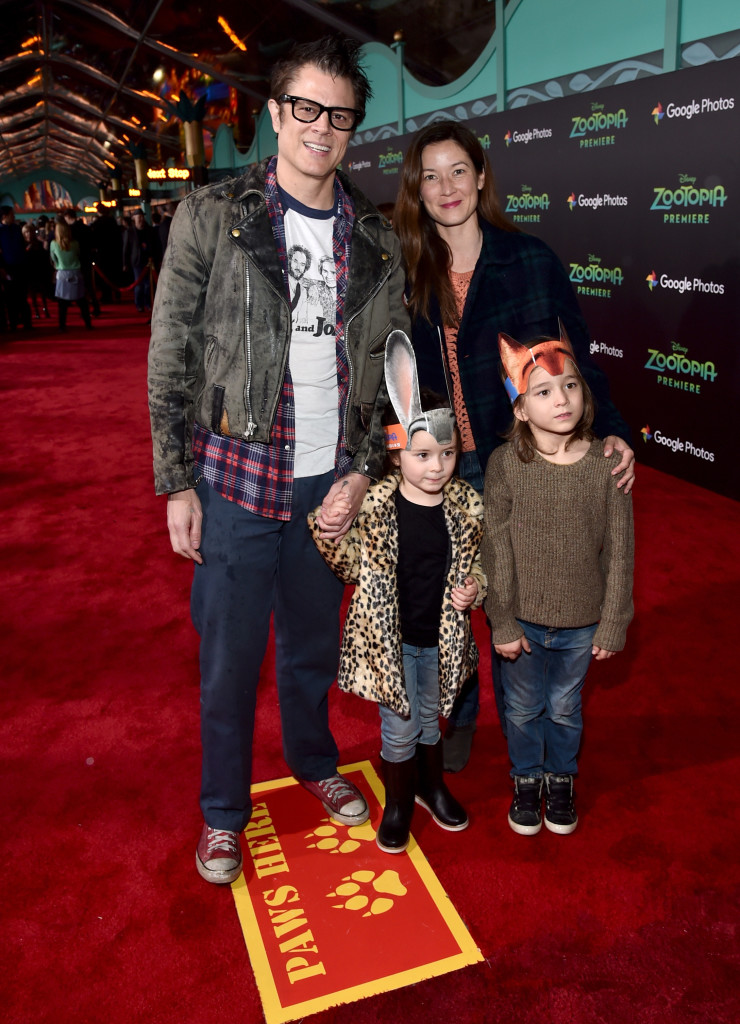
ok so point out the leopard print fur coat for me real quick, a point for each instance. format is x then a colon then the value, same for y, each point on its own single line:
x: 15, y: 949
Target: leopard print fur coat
x: 371, y: 663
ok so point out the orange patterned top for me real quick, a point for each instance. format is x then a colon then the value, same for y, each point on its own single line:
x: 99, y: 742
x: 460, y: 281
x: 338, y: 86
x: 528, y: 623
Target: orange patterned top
x: 460, y: 284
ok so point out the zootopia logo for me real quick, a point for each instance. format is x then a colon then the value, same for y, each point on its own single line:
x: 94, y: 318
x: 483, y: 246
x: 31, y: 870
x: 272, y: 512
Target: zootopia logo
x: 388, y: 159
x: 598, y: 121
x: 595, y: 273
x: 679, y: 362
x: 527, y: 201
x: 688, y: 195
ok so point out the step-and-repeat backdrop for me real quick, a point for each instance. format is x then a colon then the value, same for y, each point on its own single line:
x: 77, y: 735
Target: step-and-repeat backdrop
x: 637, y: 189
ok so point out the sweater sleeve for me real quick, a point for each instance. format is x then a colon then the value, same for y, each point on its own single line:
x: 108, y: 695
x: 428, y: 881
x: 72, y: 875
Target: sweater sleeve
x: 497, y: 554
x: 617, y: 560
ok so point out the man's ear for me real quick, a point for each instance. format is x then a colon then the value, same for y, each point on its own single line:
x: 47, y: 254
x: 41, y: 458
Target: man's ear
x: 275, y: 115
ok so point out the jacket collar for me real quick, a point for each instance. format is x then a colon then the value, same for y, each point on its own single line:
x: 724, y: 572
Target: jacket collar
x: 252, y: 183
x: 457, y: 492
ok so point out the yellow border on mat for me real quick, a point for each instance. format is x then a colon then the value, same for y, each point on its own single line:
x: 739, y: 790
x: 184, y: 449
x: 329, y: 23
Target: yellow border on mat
x: 275, y: 1012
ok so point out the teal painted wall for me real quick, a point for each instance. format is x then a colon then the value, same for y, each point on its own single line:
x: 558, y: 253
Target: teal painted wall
x: 544, y: 40
x: 547, y: 38
x: 701, y: 19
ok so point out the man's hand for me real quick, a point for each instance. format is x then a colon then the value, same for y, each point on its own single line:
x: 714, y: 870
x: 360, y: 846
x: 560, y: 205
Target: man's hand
x: 512, y: 650
x: 184, y: 521
x: 341, y: 505
x: 627, y: 466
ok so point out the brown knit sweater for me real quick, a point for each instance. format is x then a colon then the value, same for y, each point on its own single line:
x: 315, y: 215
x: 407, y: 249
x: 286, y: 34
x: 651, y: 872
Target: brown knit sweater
x: 558, y: 549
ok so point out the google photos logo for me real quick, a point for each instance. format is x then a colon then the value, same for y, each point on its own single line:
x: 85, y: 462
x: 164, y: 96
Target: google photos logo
x: 646, y: 435
x: 657, y: 113
x: 507, y: 139
x: 572, y: 201
x: 652, y: 280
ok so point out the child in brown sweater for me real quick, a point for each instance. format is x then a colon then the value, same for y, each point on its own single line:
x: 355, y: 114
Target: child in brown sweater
x: 558, y: 553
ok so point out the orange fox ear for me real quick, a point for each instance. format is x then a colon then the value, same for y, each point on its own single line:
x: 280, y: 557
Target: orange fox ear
x: 515, y: 358
x: 519, y: 360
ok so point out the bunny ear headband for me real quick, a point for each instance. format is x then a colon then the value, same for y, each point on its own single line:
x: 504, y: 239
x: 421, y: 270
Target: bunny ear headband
x: 519, y: 360
x: 403, y: 387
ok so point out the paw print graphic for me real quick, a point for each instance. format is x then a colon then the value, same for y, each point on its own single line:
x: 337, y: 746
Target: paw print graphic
x: 364, y: 890
x: 328, y: 836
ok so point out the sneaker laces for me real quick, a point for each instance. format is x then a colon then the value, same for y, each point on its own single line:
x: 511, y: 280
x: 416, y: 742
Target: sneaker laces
x: 337, y: 789
x: 220, y: 839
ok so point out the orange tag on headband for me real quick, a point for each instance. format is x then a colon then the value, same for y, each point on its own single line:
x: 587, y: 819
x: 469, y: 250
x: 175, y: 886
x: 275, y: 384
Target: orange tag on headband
x: 395, y: 437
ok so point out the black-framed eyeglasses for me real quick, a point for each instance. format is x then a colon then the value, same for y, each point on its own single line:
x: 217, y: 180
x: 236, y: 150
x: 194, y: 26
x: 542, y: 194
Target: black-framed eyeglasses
x: 343, y: 119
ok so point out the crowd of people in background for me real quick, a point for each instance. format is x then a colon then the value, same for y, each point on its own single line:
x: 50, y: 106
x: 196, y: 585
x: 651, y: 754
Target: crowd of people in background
x: 63, y: 260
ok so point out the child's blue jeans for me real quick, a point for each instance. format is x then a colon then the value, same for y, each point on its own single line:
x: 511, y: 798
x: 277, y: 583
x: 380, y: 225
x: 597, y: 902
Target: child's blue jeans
x: 400, y: 735
x: 542, y: 699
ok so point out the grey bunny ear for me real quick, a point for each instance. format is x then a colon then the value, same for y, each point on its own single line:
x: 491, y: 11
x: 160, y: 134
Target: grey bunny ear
x: 401, y: 378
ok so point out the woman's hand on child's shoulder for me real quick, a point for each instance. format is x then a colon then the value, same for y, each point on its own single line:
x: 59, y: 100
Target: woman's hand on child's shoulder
x: 513, y: 649
x: 464, y: 595
x: 625, y: 470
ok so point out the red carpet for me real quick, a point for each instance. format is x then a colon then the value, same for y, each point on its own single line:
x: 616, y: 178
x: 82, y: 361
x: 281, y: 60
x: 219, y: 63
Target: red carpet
x: 632, y: 918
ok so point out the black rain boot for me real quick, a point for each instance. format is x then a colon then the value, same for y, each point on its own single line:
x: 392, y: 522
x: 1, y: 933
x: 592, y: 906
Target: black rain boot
x: 432, y: 793
x: 400, y: 780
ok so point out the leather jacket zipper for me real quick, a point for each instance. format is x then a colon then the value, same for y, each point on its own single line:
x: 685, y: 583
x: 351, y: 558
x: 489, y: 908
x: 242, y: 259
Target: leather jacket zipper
x: 251, y: 425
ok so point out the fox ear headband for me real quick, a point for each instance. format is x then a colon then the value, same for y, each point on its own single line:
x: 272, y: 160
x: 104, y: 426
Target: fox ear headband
x: 519, y: 360
x: 403, y: 388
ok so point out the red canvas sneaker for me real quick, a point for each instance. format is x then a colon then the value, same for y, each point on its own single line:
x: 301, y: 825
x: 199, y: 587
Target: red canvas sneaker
x: 341, y: 798
x: 219, y: 855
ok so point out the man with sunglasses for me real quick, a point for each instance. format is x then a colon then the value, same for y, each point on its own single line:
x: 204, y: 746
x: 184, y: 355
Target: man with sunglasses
x: 257, y: 416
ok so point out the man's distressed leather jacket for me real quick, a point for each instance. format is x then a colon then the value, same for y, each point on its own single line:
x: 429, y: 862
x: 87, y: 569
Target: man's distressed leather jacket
x: 221, y: 326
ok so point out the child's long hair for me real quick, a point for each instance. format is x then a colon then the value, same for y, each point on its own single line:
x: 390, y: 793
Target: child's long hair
x: 429, y: 400
x: 521, y: 436
x: 426, y: 253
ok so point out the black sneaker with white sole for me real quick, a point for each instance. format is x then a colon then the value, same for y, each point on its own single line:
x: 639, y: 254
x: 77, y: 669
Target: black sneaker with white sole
x: 560, y: 811
x: 525, y: 813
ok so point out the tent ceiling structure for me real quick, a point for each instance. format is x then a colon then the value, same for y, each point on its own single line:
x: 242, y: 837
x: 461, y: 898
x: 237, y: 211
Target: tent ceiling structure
x: 78, y: 89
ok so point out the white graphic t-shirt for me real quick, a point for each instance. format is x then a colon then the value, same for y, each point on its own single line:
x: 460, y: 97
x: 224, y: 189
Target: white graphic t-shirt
x: 312, y: 359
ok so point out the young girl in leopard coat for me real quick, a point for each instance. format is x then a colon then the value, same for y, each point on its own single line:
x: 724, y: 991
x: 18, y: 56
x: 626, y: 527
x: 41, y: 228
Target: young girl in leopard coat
x: 412, y: 552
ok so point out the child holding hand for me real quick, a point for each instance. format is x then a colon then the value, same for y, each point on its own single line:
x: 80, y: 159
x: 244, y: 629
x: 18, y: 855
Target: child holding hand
x: 558, y: 553
x: 412, y: 552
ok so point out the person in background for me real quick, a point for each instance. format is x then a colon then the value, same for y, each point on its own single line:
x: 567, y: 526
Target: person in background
x: 471, y: 275
x: 83, y: 236
x: 107, y: 252
x: 163, y: 229
x: 70, y: 281
x: 38, y: 271
x: 141, y: 252
x: 15, y: 283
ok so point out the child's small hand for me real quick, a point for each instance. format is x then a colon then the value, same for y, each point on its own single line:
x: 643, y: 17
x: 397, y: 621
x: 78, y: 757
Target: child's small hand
x: 512, y: 650
x: 336, y: 511
x: 600, y: 654
x: 463, y: 596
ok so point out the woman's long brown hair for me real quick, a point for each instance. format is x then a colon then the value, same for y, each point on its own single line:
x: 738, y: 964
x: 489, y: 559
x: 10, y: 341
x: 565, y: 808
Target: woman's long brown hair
x: 427, y: 255
x: 63, y: 234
